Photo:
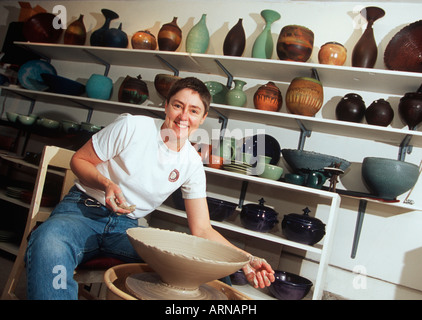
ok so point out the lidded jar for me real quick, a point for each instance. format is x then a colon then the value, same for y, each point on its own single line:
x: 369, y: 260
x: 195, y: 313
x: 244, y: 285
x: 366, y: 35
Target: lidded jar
x: 351, y: 108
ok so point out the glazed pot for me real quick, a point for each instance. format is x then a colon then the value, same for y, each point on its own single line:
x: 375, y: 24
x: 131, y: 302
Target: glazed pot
x: 169, y: 36
x: 410, y: 108
x: 268, y: 97
x: 295, y: 43
x: 144, y: 40
x: 235, y: 40
x: 379, y: 113
x: 219, y: 209
x: 333, y: 53
x: 163, y: 83
x: 218, y: 91
x: 40, y: 28
x: 289, y: 286
x: 236, y: 96
x: 302, y: 228
x: 97, y: 37
x: 115, y: 38
x: 258, y: 217
x: 75, y: 33
x: 304, y: 96
x: 198, y: 37
x: 351, y: 108
x: 133, y: 90
x: 99, y: 87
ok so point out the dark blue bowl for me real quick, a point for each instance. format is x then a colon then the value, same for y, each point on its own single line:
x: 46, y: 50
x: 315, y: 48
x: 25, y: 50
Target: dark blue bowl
x: 220, y: 209
x: 62, y: 85
x: 238, y: 278
x: 289, y: 286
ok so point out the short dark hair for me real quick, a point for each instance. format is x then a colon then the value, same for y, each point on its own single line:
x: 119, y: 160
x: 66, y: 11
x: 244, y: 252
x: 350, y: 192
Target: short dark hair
x: 195, y: 85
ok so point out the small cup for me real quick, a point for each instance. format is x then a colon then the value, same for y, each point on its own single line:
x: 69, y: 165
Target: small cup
x: 271, y: 172
x: 294, y: 178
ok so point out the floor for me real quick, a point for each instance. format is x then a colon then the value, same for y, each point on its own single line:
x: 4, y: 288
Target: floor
x: 6, y: 264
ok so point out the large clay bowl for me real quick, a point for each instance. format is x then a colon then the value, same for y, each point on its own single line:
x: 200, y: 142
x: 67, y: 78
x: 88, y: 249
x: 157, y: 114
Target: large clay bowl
x: 309, y: 160
x: 389, y: 178
x: 163, y: 83
x: 404, y: 51
x: 182, y: 260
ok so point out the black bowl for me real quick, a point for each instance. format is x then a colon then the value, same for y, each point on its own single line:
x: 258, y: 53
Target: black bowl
x: 238, y: 278
x: 220, y: 209
x: 302, y: 228
x: 63, y: 85
x: 289, y: 286
x: 258, y: 217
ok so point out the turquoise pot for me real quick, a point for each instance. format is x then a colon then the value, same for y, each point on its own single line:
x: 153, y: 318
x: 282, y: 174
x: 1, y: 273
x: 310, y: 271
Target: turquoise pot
x: 99, y: 87
x: 236, y: 96
x: 198, y: 37
x: 263, y: 45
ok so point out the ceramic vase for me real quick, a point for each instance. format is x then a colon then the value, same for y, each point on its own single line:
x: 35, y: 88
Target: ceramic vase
x: 163, y: 83
x: 144, y: 40
x: 365, y: 51
x: 295, y: 43
x: 351, y: 108
x: 234, y: 43
x: 410, y: 108
x: 379, y: 113
x: 332, y: 53
x: 99, y: 87
x: 198, y: 37
x: 304, y: 96
x: 97, y: 37
x: 236, y: 96
x: 263, y: 45
x: 133, y: 90
x: 218, y: 91
x: 169, y: 36
x: 75, y: 33
x: 268, y: 97
x: 115, y: 38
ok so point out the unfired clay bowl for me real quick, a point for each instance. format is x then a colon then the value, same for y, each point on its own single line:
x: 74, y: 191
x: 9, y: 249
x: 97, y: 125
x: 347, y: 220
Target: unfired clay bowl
x: 184, y: 261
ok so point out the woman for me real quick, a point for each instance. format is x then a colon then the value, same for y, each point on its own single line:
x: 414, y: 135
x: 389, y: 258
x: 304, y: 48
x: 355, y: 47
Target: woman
x: 124, y: 172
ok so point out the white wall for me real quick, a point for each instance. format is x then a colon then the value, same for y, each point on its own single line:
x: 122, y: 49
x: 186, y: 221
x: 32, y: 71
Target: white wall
x: 390, y: 245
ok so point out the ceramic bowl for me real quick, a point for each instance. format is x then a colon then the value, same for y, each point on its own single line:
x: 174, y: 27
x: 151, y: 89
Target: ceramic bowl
x: 238, y: 278
x: 90, y: 127
x: 70, y: 126
x: 258, y: 217
x: 219, y: 209
x: 185, y: 261
x: 389, y: 178
x: 12, y: 116
x: 289, y: 286
x: 48, y: 123
x: 27, y: 120
x: 309, y: 160
x: 63, y: 85
x: 302, y: 228
x: 271, y: 172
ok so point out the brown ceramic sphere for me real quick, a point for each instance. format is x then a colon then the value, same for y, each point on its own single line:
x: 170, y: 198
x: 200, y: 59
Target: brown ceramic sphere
x: 295, y: 43
x: 304, y: 96
x: 379, y: 113
x: 410, y: 109
x: 332, y: 53
x: 268, y: 97
x: 169, y: 36
x: 144, y: 40
x: 351, y: 108
x: 163, y: 83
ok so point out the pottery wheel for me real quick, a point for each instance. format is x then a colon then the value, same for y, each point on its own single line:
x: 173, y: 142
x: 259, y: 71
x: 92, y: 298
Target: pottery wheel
x: 148, y: 286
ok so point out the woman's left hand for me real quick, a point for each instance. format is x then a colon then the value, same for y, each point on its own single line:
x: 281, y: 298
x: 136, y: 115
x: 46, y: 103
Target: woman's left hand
x: 258, y: 272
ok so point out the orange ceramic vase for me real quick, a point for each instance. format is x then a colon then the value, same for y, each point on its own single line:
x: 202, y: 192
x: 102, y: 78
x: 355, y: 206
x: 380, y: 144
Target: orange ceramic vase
x: 268, y: 97
x: 304, y: 96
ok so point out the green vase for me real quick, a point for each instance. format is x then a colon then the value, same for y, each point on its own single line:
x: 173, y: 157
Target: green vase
x: 236, y: 96
x: 263, y: 45
x: 198, y: 37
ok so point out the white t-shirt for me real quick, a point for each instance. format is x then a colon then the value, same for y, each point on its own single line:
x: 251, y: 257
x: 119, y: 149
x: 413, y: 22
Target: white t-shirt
x: 147, y: 171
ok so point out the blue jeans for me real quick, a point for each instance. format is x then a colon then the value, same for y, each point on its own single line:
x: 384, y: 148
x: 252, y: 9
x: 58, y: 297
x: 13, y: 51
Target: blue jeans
x: 78, y: 229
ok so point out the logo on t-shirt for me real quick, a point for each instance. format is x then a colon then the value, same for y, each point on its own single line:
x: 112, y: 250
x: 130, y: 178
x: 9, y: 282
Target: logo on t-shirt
x: 174, y: 175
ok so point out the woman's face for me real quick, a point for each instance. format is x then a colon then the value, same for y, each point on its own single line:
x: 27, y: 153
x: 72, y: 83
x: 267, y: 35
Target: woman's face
x: 185, y: 112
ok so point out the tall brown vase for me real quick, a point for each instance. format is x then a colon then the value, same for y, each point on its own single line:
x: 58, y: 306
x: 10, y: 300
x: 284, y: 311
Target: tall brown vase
x: 234, y: 43
x: 365, y: 51
x: 169, y: 36
x: 75, y: 33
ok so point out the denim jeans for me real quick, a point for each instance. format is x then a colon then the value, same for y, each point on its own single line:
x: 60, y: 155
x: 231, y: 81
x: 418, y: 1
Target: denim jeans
x: 78, y: 229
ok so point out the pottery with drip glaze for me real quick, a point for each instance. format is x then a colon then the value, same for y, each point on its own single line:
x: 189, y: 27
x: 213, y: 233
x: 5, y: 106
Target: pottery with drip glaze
x: 169, y: 36
x: 133, y: 90
x: 295, y: 43
x: 268, y: 97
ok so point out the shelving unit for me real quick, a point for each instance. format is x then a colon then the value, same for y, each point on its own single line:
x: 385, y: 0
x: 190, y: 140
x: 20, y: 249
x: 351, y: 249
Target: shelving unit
x: 382, y: 81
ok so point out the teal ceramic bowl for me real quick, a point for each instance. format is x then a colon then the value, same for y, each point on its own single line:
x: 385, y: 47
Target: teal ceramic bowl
x: 70, y: 126
x: 271, y: 172
x: 389, y: 178
x: 308, y: 160
x: 48, y: 123
x: 12, y: 116
x: 27, y: 120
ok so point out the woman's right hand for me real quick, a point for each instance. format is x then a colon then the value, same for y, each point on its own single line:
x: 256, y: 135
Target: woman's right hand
x: 115, y: 200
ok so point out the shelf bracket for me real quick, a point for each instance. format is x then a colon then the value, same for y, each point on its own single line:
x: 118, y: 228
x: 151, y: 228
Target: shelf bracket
x: 227, y: 72
x: 90, y: 110
x: 223, y: 120
x: 103, y: 62
x: 243, y: 193
x: 358, y: 227
x: 42, y: 56
x: 304, y: 133
x: 168, y: 64
x: 405, y: 147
